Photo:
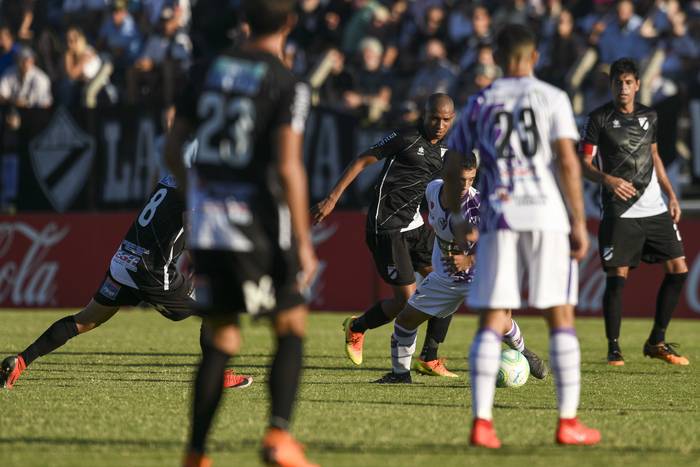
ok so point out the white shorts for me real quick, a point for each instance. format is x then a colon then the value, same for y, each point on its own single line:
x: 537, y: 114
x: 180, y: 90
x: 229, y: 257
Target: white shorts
x: 509, y: 263
x: 437, y: 297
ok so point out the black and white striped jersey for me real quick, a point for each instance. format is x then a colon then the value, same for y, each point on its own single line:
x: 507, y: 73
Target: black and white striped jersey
x: 411, y: 162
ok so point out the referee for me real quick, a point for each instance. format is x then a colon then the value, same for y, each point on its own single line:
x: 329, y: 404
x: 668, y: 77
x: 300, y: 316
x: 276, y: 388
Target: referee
x: 620, y: 153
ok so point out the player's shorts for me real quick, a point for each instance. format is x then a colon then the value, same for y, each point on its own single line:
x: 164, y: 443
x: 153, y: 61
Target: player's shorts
x: 398, y: 254
x: 438, y: 297
x: 176, y: 303
x: 507, y: 260
x: 259, y: 282
x: 625, y: 241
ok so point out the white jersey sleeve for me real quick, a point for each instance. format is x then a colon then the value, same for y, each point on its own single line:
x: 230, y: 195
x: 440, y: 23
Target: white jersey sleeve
x: 563, y: 125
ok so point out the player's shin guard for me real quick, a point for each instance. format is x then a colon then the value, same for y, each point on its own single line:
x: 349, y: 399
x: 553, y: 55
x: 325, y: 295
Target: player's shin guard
x: 565, y: 359
x: 666, y: 302
x: 284, y: 379
x: 434, y: 336
x: 484, y: 358
x: 370, y: 319
x: 612, y: 306
x: 514, y: 338
x: 403, y: 345
x: 54, y: 337
x: 207, y: 393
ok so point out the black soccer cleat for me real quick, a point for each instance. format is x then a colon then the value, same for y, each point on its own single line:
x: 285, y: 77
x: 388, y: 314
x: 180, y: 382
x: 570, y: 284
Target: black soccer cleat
x: 615, y: 354
x: 395, y: 378
x: 538, y: 368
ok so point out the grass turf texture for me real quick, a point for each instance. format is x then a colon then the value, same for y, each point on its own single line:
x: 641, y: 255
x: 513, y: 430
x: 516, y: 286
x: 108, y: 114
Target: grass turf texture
x: 120, y: 396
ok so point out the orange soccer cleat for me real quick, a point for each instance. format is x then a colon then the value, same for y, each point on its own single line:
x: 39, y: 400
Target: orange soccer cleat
x: 10, y: 369
x: 195, y: 459
x: 484, y: 435
x: 572, y: 431
x: 433, y: 368
x: 353, y: 341
x: 234, y: 381
x: 281, y: 449
x: 665, y: 351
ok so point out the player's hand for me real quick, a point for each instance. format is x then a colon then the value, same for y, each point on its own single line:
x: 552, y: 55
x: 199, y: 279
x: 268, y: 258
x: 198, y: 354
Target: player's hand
x: 620, y: 187
x: 465, y: 233
x: 579, y: 240
x: 457, y: 263
x: 322, y: 209
x: 674, y: 208
x: 309, y: 265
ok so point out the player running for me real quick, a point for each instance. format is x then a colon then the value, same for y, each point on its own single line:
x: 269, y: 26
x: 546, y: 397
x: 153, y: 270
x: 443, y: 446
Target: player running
x: 447, y: 286
x: 250, y: 236
x: 518, y: 125
x: 395, y: 233
x: 142, y: 270
x: 636, y: 223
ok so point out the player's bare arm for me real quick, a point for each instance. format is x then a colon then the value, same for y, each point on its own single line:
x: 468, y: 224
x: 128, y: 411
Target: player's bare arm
x: 175, y: 140
x: 293, y: 177
x: 324, y: 207
x: 458, y: 263
x: 674, y: 207
x: 570, y: 178
x: 623, y: 189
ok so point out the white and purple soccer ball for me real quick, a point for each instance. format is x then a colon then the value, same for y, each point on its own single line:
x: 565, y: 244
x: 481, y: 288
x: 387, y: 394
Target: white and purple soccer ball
x: 514, y: 369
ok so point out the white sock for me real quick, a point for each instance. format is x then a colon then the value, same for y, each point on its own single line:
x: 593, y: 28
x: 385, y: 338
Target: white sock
x: 484, y: 360
x: 403, y: 345
x: 565, y: 358
x: 514, y: 338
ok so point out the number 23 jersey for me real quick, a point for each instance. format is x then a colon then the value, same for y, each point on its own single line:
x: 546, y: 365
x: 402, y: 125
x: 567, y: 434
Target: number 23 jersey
x: 236, y: 102
x: 512, y: 124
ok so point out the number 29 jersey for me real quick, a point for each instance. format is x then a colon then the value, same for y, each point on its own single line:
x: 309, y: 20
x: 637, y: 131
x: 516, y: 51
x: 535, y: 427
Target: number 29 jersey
x: 512, y: 124
x: 236, y: 101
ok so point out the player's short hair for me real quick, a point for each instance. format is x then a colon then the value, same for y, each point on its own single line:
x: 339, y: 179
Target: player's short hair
x: 512, y: 38
x: 624, y: 66
x: 267, y: 16
x: 469, y: 161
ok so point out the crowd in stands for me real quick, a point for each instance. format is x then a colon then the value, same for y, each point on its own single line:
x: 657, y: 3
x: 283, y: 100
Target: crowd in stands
x: 378, y: 59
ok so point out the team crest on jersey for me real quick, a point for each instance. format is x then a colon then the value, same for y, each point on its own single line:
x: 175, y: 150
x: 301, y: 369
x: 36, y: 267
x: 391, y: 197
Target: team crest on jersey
x: 421, y: 151
x: 392, y: 271
x: 110, y: 289
x: 616, y: 123
x: 608, y: 253
x: 644, y: 123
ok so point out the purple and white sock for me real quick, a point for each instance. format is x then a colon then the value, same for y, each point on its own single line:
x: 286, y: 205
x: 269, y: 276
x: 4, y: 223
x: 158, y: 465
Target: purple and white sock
x: 514, y: 338
x: 484, y: 359
x: 565, y: 358
x: 403, y: 345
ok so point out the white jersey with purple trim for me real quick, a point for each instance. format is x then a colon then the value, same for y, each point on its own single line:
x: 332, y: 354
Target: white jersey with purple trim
x: 438, y: 217
x: 512, y: 124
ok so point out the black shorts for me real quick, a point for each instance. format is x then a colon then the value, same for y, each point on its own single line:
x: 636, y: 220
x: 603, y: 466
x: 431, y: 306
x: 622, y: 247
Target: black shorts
x: 175, y: 303
x: 398, y: 254
x: 259, y: 282
x: 624, y: 241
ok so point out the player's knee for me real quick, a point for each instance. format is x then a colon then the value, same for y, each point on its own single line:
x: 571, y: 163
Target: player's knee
x: 676, y: 266
x: 292, y: 321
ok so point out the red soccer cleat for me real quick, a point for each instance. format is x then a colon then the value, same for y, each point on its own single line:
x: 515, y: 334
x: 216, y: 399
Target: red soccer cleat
x: 571, y: 431
x: 484, y: 435
x: 234, y: 381
x: 281, y: 449
x: 194, y: 459
x: 10, y: 369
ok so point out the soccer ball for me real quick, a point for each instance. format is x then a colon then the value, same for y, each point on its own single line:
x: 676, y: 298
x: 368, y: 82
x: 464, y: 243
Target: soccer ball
x: 514, y: 370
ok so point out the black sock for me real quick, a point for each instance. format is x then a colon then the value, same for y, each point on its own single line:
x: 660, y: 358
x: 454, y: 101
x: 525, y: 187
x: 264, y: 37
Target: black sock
x: 55, y: 336
x: 434, y: 336
x: 666, y: 301
x: 207, y: 392
x: 612, y: 306
x: 284, y: 379
x: 370, y: 319
x: 204, y: 338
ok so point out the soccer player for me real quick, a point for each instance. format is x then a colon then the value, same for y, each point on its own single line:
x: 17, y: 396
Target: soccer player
x: 395, y: 233
x: 142, y: 270
x: 524, y: 130
x: 250, y: 236
x: 636, y: 224
x: 447, y: 286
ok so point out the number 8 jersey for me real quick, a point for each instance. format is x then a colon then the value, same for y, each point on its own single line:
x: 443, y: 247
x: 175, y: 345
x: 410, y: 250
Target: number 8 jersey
x: 512, y: 124
x: 235, y: 102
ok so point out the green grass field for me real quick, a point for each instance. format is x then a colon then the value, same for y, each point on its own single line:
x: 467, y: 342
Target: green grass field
x: 120, y: 395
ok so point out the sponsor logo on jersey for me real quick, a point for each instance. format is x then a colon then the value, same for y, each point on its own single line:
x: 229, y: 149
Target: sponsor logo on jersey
x: 236, y: 75
x: 127, y: 260
x: 644, y: 123
x: 608, y: 253
x: 616, y: 123
x: 110, y: 289
x: 62, y: 156
x: 421, y: 151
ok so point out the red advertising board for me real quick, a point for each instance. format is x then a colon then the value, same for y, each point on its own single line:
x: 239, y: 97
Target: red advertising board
x: 58, y: 260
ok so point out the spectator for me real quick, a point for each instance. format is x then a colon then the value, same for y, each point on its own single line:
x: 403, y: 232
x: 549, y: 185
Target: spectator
x: 81, y: 64
x: 371, y: 90
x: 18, y: 14
x: 164, y: 60
x: 559, y: 53
x: 437, y: 74
x: 481, y: 27
x: 86, y: 14
x: 25, y: 85
x: 622, y: 38
x: 8, y: 48
x: 120, y: 37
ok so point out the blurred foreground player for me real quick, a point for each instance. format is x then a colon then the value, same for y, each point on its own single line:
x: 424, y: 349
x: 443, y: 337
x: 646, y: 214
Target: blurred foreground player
x: 250, y: 234
x: 396, y: 235
x: 523, y: 128
x: 448, y: 285
x: 142, y: 270
x: 636, y: 224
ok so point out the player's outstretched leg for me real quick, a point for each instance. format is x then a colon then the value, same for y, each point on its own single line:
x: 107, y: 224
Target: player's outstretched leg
x: 279, y: 447
x: 54, y: 337
x: 666, y: 301
x: 515, y: 340
x: 429, y: 363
